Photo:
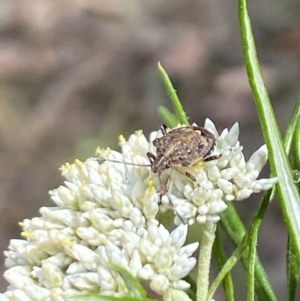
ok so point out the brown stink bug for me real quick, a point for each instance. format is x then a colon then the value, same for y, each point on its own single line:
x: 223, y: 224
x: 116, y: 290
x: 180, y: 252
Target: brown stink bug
x: 183, y: 146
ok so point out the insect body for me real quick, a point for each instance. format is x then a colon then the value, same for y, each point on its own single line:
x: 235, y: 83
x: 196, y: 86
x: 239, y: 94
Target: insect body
x: 183, y: 146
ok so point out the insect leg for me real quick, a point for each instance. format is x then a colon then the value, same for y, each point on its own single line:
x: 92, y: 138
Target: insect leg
x: 151, y: 157
x: 212, y: 157
x: 190, y: 176
x: 166, y: 188
x: 163, y: 129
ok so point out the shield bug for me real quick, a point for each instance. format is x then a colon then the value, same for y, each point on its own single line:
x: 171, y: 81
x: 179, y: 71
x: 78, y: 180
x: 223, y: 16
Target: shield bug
x: 183, y: 146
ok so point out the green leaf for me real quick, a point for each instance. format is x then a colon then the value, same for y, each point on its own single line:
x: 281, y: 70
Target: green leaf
x: 293, y: 130
x: 173, y: 95
x: 230, y: 263
x: 168, y: 117
x: 287, y: 192
x: 235, y: 229
x: 293, y: 270
x: 293, y: 262
x: 193, y: 288
x: 100, y: 297
x: 230, y: 220
x: 249, y: 258
x: 132, y: 283
x: 296, y: 146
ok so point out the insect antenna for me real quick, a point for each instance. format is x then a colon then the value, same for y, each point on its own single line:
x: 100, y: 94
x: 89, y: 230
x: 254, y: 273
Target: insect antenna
x: 101, y: 160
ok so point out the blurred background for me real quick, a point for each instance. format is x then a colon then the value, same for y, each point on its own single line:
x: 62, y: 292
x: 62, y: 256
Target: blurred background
x: 75, y: 74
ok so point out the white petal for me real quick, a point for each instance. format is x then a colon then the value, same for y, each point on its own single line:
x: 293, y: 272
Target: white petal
x: 263, y: 184
x: 259, y: 159
x: 17, y: 295
x: 213, y: 173
x: 146, y: 272
x: 213, y: 218
x: 85, y: 281
x: 233, y: 135
x: 52, y: 273
x: 216, y: 207
x: 181, y: 285
x: 159, y: 284
x: 187, y: 210
x: 225, y: 185
x: 201, y: 219
x: 203, y: 209
x: 209, y: 125
x: 23, y: 297
x: 243, y: 194
x: 178, y: 236
x: 181, y: 267
x: 36, y: 292
x: 135, y: 263
x: 76, y: 268
x: 83, y: 254
x: 106, y: 280
x: 163, y: 260
x: 229, y: 173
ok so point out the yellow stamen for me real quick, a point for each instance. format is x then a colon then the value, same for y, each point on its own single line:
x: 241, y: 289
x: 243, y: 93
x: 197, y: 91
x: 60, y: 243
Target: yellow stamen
x: 79, y: 163
x: 121, y: 139
x: 151, y: 185
x: 66, y: 243
x: 199, y: 165
x: 27, y: 234
x: 139, y: 132
x: 67, y: 166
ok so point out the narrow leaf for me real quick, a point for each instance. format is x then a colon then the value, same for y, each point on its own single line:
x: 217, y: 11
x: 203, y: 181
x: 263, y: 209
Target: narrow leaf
x: 288, y: 194
x: 173, y: 95
x: 100, y: 297
x: 168, y: 117
x: 235, y: 229
x: 132, y: 283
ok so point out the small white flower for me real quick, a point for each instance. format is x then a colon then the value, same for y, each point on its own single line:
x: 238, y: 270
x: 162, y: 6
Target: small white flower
x: 159, y: 284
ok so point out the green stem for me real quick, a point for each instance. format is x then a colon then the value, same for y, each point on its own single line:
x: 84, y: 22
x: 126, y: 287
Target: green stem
x: 230, y: 263
x: 206, y: 246
x: 221, y: 260
x: 251, y: 262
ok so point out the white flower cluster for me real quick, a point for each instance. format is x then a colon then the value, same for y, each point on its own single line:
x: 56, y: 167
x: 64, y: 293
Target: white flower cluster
x: 106, y: 213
